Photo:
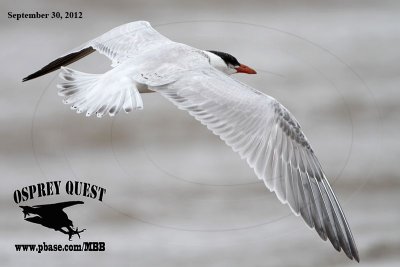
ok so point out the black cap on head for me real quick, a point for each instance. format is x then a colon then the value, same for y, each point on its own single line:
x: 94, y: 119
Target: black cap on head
x: 227, y: 58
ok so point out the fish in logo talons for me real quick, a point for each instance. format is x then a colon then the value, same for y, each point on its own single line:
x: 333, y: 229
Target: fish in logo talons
x: 71, y: 231
x: 53, y: 216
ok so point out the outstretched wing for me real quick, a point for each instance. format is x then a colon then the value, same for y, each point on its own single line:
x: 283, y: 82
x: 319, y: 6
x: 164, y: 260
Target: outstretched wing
x: 60, y: 205
x: 121, y: 43
x: 264, y: 133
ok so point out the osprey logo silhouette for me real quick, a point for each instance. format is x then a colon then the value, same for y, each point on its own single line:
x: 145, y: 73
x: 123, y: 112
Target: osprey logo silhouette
x: 53, y: 216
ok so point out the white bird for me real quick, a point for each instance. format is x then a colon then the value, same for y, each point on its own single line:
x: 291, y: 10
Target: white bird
x: 252, y: 123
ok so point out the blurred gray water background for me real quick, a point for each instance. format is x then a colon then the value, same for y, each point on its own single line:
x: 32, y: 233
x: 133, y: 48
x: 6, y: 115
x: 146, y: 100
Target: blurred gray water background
x: 176, y: 195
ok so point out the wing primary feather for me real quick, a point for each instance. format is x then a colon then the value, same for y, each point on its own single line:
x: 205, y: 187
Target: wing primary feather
x: 285, y: 184
x: 345, y: 236
x: 339, y: 239
x: 352, y: 244
x: 305, y: 191
x: 316, y: 211
x: 291, y: 192
x: 60, y: 62
x: 325, y: 207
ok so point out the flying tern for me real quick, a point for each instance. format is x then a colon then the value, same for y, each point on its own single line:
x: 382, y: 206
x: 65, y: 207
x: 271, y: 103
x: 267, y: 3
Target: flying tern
x: 252, y: 123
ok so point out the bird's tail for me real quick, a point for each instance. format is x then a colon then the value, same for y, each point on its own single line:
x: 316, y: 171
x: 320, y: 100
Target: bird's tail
x: 98, y: 93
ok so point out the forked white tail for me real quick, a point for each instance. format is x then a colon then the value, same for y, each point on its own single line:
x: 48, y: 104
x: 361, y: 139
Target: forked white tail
x: 98, y: 93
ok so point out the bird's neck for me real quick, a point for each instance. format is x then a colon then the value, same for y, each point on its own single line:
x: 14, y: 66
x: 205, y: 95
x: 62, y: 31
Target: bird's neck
x: 216, y: 61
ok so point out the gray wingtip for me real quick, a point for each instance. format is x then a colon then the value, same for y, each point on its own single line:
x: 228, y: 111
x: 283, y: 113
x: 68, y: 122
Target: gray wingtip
x: 60, y: 62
